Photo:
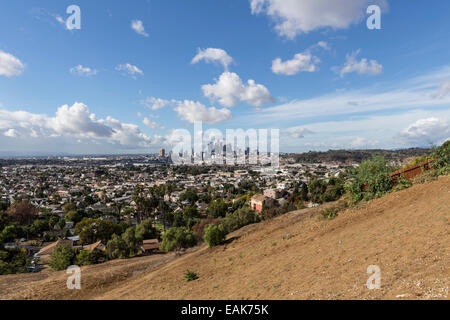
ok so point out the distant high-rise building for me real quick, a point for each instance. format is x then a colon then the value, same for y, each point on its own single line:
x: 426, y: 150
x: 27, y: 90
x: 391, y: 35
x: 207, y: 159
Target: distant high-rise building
x: 162, y: 153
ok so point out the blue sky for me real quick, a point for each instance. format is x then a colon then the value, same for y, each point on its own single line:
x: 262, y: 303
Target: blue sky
x: 316, y: 72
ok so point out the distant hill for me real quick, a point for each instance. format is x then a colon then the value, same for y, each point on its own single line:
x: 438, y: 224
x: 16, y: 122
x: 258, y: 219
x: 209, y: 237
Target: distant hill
x: 355, y: 156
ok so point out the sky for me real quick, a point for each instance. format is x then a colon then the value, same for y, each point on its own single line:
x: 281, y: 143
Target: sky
x: 134, y: 72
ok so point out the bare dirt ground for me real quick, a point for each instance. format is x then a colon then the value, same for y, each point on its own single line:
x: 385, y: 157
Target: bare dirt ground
x: 296, y: 256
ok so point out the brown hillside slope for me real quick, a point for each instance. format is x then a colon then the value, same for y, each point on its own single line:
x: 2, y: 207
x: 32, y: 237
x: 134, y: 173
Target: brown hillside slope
x: 296, y: 256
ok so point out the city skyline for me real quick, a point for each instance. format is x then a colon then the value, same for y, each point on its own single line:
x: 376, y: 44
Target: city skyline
x: 130, y: 76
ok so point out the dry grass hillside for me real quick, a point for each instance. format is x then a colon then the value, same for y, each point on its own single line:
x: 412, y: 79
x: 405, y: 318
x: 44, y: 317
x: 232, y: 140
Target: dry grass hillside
x: 296, y: 256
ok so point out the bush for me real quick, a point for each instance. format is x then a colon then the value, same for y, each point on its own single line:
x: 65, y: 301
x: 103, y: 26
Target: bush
x: 199, y: 228
x: 332, y: 212
x: 370, y: 180
x: 218, y: 208
x: 403, y: 183
x: 13, y: 261
x: 190, y: 276
x: 177, y: 238
x: 145, y: 230
x: 329, y: 213
x: 441, y: 156
x: 132, y: 242
x: 117, y: 248
x: 93, y: 230
x: 86, y: 257
x: 214, y: 235
x: 239, y: 219
x: 61, y: 257
x: 83, y: 258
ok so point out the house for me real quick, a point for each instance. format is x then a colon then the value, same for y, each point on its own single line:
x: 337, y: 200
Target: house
x: 98, y: 245
x: 273, y: 193
x: 45, y: 252
x: 257, y: 202
x: 150, y: 245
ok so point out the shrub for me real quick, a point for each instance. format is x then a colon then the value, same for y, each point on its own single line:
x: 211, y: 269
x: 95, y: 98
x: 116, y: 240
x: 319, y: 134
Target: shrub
x: 218, y: 208
x: 145, y: 230
x: 86, y: 257
x: 117, y: 248
x: 199, y: 228
x: 61, y: 257
x: 239, y: 219
x: 190, y: 276
x: 370, y: 180
x: 132, y: 242
x: 329, y: 213
x: 214, y: 235
x: 332, y: 212
x: 403, y: 183
x: 13, y: 261
x: 441, y: 156
x: 177, y: 238
x: 93, y: 230
x: 83, y: 258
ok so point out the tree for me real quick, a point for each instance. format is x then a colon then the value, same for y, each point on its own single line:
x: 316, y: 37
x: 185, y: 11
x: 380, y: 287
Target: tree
x: 199, y: 228
x: 13, y: 261
x: 371, y: 179
x: 317, y: 189
x: 61, y: 257
x: 83, y: 258
x: 239, y: 219
x: 117, y: 248
x: 145, y: 230
x: 189, y: 195
x: 335, y: 189
x: 129, y: 237
x: 38, y: 227
x: 304, y: 192
x: 441, y: 158
x: 214, y: 235
x: 177, y: 238
x: 68, y: 207
x: 217, y: 208
x: 74, y: 216
x: 92, y: 230
x: 23, y: 212
x: 9, y: 233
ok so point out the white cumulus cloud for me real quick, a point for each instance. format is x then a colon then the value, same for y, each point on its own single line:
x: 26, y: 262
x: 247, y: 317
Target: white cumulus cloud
x: 194, y: 111
x: 10, y: 65
x: 138, y: 26
x: 302, y: 62
x: 293, y: 17
x: 363, y: 66
x: 151, y: 124
x: 298, y: 132
x: 229, y: 90
x: 157, y: 103
x: 213, y: 55
x: 130, y: 70
x: 74, y: 121
x: 83, y: 71
x: 426, y: 131
x: 12, y: 133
